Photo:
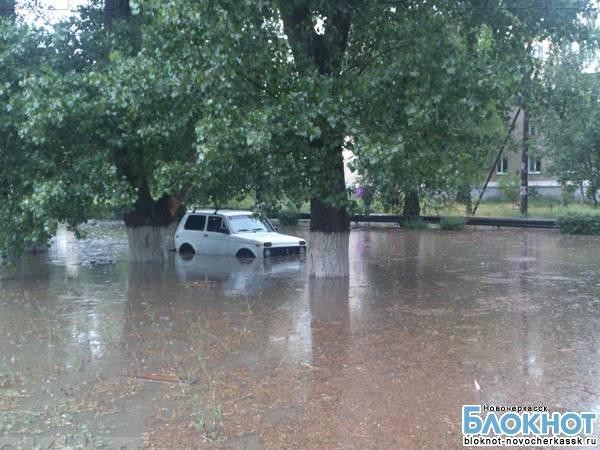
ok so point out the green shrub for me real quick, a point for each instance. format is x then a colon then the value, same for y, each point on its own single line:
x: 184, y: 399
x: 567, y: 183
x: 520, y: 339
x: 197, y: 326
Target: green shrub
x: 509, y: 187
x: 288, y: 216
x: 453, y: 223
x: 414, y: 224
x: 578, y: 223
x: 567, y: 193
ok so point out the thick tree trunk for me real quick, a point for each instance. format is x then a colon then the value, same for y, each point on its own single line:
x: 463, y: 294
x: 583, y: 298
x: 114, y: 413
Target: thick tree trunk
x: 523, y: 191
x: 464, y: 196
x: 147, y: 243
x: 146, y: 227
x: 7, y: 9
x: 115, y: 9
x: 412, y: 206
x: 329, y: 235
x: 329, y: 227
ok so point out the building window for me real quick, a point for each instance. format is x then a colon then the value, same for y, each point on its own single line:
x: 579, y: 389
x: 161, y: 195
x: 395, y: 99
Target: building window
x: 535, y: 165
x: 502, y: 166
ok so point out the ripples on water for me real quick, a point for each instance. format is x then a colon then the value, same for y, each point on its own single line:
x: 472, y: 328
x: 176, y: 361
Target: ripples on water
x: 266, y: 357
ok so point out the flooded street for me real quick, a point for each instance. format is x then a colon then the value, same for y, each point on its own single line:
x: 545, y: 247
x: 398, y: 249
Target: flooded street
x: 214, y: 352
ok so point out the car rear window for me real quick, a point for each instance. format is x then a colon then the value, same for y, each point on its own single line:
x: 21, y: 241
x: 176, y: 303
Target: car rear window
x: 195, y: 223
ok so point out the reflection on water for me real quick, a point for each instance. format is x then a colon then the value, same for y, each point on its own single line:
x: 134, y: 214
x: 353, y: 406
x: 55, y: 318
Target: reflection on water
x: 255, y: 354
x: 233, y: 275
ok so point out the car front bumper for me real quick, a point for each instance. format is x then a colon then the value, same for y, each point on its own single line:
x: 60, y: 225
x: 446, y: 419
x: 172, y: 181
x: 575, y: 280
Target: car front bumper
x: 284, y: 250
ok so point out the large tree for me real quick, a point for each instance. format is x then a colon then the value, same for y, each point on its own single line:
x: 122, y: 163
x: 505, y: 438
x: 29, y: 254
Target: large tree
x: 443, y: 119
x: 132, y: 106
x: 91, y: 116
x: 569, y: 119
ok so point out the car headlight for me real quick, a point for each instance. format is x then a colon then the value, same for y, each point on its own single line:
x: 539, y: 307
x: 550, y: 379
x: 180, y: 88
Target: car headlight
x: 267, y: 244
x: 302, y: 243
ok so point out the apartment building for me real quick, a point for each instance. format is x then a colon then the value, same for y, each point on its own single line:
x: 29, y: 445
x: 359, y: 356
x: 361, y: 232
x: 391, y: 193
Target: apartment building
x: 540, y: 181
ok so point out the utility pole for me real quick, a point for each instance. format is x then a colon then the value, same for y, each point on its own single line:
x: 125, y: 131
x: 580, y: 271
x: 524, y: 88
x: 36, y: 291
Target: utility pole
x: 524, y: 188
x: 497, y: 160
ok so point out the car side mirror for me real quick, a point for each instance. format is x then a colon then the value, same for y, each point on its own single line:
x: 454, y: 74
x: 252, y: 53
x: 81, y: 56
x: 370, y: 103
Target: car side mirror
x: 275, y: 228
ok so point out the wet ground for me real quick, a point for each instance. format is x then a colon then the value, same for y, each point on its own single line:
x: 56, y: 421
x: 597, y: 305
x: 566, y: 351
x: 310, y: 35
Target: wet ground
x: 216, y: 353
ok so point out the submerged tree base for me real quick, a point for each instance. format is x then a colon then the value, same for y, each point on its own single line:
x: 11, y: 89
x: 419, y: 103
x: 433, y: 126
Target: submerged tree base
x: 146, y: 243
x: 328, y: 254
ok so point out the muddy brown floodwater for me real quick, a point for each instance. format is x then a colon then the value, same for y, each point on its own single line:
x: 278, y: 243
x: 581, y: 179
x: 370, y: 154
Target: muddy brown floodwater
x: 216, y: 353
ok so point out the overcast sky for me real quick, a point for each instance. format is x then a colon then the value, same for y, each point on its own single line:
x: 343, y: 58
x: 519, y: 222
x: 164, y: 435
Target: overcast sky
x: 51, y: 10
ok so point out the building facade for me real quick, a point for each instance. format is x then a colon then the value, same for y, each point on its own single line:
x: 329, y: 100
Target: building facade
x: 508, y: 170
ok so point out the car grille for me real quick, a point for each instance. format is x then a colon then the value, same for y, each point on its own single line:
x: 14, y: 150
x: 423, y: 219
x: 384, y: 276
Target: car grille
x: 282, y: 251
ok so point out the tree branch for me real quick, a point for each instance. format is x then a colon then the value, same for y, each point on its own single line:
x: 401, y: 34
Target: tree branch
x: 256, y: 84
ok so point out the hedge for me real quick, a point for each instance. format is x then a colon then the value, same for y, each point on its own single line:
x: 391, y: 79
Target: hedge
x: 578, y: 223
x: 453, y: 223
x: 414, y: 224
x: 288, y: 217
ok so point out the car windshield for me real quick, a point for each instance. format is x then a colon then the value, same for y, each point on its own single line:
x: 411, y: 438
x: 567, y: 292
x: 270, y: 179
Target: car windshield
x: 240, y: 224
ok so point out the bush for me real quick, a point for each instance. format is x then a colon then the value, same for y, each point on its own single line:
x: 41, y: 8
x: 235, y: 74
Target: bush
x: 414, y: 224
x: 509, y: 187
x: 578, y: 223
x: 567, y: 193
x: 288, y: 216
x: 453, y: 223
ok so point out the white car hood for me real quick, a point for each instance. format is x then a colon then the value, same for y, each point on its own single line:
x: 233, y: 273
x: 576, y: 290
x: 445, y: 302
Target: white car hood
x: 274, y: 238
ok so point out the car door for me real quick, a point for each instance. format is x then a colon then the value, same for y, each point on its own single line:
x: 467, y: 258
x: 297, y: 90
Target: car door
x: 193, y: 232
x: 217, y: 237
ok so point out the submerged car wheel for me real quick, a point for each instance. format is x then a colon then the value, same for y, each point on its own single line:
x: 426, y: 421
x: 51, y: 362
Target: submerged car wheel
x: 186, y: 251
x: 245, y: 253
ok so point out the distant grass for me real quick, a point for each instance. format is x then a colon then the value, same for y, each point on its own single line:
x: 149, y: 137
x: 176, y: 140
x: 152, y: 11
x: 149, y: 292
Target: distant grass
x: 542, y: 209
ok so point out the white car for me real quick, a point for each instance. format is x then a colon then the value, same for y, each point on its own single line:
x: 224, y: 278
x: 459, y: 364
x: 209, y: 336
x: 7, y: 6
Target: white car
x: 233, y: 233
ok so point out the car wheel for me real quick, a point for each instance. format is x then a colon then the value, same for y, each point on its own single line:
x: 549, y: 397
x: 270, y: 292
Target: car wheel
x: 245, y: 253
x: 186, y: 251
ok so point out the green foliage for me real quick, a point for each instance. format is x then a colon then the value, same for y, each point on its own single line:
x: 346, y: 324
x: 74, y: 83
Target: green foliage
x: 574, y: 223
x: 288, y: 216
x: 234, y: 99
x: 509, y: 187
x: 453, y: 223
x: 567, y: 193
x: 414, y: 224
x: 439, y: 133
x: 570, y: 120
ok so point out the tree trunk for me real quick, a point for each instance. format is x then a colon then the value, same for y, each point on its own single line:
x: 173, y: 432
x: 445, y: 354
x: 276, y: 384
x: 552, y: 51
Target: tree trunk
x: 330, y: 224
x: 412, y: 206
x: 115, y: 9
x: 464, y: 196
x: 146, y: 227
x: 7, y: 9
x: 147, y: 243
x: 329, y: 228
x: 593, y: 193
x: 523, y: 191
